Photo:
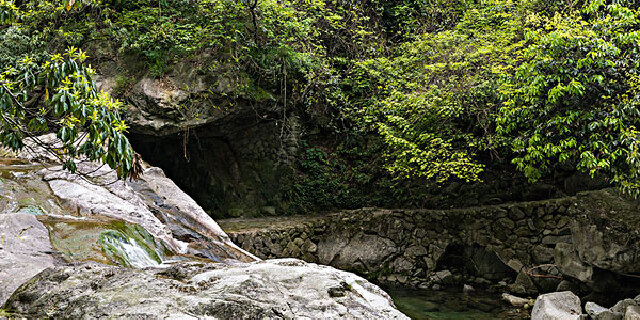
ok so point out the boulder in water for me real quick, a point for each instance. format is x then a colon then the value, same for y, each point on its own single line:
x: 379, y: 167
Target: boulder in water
x: 557, y: 306
x: 632, y: 313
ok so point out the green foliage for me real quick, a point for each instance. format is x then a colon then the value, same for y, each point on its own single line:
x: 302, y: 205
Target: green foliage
x: 546, y: 88
x: 5, y: 313
x: 7, y: 12
x: 432, y: 101
x: 59, y: 95
x: 326, y: 183
x: 574, y: 98
x: 349, y: 177
x: 442, y: 84
x: 404, y: 19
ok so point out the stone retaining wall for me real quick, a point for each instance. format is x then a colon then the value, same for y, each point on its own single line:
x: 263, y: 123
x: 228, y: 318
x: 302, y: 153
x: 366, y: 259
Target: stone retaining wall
x: 581, y: 235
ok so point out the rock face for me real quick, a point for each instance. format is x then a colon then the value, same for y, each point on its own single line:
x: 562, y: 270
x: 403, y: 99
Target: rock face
x: 557, y: 306
x: 99, y: 247
x: 515, y: 301
x: 632, y: 313
x: 270, y: 289
x: 24, y: 251
x: 232, y: 155
x: 234, y: 167
x: 154, y: 203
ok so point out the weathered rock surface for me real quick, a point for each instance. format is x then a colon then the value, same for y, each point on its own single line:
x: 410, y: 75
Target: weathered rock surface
x: 567, y: 259
x: 556, y: 306
x: 143, y: 203
x: 515, y: 301
x: 622, y: 305
x: 158, y: 105
x: 632, y: 313
x: 270, y: 289
x: 594, y: 310
x: 566, y: 305
x: 99, y: 247
x: 24, y: 251
x: 232, y: 155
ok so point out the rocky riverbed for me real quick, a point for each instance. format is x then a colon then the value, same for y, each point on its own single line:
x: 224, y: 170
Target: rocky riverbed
x: 94, y: 246
x: 567, y: 306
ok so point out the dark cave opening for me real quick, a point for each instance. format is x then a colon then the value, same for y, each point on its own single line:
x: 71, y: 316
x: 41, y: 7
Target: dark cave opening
x: 229, y: 172
x: 474, y: 261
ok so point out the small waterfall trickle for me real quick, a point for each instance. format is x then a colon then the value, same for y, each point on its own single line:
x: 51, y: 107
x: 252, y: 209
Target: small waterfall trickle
x: 127, y: 251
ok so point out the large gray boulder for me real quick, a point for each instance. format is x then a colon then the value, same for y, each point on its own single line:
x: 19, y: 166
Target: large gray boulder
x: 93, y: 246
x: 557, y: 306
x: 269, y: 289
x: 154, y: 203
x: 24, y: 251
x: 632, y: 313
x: 596, y: 311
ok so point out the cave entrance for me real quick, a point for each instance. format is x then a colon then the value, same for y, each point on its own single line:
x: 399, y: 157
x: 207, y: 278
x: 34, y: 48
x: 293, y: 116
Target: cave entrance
x: 229, y: 172
x: 474, y: 263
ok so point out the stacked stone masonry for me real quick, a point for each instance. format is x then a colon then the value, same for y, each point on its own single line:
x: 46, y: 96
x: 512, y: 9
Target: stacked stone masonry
x: 593, y: 230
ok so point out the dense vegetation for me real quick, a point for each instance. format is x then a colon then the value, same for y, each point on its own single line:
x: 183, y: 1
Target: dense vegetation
x: 443, y: 85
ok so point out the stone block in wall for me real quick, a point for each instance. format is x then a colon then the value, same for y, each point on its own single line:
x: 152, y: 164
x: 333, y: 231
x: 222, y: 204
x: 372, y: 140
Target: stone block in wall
x: 403, y: 265
x: 415, y: 251
x: 567, y: 260
x: 371, y: 250
x: 542, y: 254
x: 554, y: 239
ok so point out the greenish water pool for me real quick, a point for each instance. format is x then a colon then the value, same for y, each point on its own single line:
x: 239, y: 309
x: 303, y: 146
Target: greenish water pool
x: 452, y: 305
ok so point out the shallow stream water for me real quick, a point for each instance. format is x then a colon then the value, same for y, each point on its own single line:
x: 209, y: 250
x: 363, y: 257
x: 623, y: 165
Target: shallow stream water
x: 452, y: 305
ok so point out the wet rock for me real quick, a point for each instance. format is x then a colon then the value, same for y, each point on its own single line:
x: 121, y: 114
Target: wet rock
x: 523, y: 285
x: 632, y: 313
x: 622, y: 305
x: 515, y: 301
x: 593, y: 309
x: 272, y: 289
x: 442, y: 277
x: 25, y: 250
x: 557, y: 306
x: 466, y: 288
x: 570, y: 264
x: 133, y: 202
